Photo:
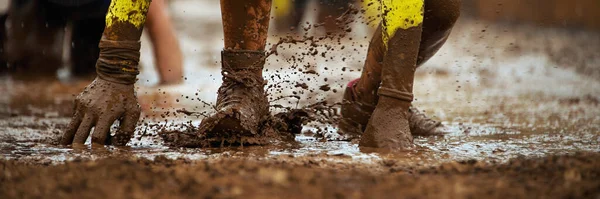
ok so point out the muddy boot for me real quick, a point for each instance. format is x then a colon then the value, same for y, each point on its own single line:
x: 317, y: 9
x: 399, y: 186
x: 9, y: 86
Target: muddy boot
x: 422, y: 125
x: 356, y: 114
x: 242, y: 105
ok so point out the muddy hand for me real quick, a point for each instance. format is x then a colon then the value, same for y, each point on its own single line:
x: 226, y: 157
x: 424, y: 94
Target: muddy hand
x: 100, y: 105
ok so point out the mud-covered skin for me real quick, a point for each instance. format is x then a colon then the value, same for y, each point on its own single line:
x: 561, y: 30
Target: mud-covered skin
x: 100, y: 105
x: 361, y: 97
x: 245, y: 25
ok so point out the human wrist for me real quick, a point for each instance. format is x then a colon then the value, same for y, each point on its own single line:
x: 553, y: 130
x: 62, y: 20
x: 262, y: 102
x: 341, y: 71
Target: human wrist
x: 118, y: 61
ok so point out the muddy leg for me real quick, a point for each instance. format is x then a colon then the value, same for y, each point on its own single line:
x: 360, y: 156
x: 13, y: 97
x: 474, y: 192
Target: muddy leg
x: 361, y: 95
x: 242, y: 105
x: 401, y: 30
x: 440, y: 16
x: 245, y: 24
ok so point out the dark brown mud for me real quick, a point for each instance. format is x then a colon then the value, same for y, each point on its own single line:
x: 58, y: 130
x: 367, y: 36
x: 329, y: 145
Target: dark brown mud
x: 274, y: 130
x: 42, y: 98
x: 570, y: 176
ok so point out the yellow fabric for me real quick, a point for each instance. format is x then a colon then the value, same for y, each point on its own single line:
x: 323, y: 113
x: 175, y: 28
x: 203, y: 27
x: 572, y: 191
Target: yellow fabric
x: 400, y: 14
x: 372, y: 12
x: 131, y: 11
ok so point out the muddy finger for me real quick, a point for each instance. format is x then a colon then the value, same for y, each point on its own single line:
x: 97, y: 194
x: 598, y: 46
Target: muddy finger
x: 69, y: 134
x: 84, y: 129
x: 102, y: 129
x: 127, y: 127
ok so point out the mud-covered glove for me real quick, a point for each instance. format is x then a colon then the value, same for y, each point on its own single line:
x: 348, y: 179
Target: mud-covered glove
x: 108, y: 98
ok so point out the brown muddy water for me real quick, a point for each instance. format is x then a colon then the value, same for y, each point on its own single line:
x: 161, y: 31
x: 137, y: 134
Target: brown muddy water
x: 521, y: 103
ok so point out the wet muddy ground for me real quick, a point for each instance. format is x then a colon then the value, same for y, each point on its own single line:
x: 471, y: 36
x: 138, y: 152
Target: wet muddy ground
x: 574, y: 176
x: 522, y: 103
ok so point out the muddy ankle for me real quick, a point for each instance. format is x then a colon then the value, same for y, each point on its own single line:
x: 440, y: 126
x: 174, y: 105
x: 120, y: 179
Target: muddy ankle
x: 394, y: 103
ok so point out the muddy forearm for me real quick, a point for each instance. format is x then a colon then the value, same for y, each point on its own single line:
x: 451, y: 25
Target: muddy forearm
x: 120, y: 43
x: 402, y: 25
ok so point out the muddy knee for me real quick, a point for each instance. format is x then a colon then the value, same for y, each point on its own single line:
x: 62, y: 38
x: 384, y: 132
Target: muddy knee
x: 440, y: 17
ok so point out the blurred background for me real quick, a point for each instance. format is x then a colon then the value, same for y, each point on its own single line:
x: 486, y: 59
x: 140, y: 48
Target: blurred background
x: 558, y: 13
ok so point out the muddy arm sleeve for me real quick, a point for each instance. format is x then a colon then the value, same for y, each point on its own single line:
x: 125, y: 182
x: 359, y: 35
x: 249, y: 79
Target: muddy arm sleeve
x: 118, y: 61
x: 401, y: 34
x: 120, y: 45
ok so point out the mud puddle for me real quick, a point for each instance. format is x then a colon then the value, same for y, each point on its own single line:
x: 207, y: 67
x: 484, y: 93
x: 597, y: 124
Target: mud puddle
x: 31, y: 139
